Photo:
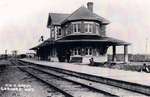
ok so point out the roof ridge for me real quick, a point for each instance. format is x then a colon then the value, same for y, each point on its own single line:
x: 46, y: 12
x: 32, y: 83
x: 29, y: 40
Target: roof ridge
x: 91, y: 14
x: 57, y: 13
x: 74, y: 12
x: 56, y: 18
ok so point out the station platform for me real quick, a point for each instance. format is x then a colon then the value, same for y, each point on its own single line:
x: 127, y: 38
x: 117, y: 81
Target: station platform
x: 136, y: 81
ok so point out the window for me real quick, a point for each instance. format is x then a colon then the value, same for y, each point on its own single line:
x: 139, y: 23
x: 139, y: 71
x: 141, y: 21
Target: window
x: 94, y: 52
x: 68, y: 30
x: 77, y: 51
x: 97, y: 28
x: 86, y: 51
x: 88, y: 27
x: 103, y: 30
x: 76, y: 27
x: 58, y: 31
x: 52, y: 33
x: 90, y: 51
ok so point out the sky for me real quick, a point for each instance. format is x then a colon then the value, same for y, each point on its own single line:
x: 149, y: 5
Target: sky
x: 22, y: 22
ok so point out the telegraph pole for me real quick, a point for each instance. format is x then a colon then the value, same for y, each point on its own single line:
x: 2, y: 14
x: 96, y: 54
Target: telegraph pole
x: 5, y: 54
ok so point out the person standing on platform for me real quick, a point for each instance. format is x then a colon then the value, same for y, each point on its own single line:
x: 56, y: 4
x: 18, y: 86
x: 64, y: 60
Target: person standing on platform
x: 68, y: 54
x: 91, y: 61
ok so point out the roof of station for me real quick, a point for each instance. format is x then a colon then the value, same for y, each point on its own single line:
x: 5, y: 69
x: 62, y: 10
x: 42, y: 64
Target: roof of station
x: 82, y: 38
x: 84, y: 13
x: 43, y: 44
x: 81, y: 13
x: 92, y: 38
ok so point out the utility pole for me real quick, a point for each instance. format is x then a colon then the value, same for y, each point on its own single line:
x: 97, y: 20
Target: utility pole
x: 5, y: 54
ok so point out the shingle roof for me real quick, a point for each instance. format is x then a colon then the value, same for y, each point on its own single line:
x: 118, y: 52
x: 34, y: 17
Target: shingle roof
x: 92, y: 38
x: 56, y: 18
x: 81, y: 13
x: 85, y: 14
x: 45, y: 43
x: 82, y: 38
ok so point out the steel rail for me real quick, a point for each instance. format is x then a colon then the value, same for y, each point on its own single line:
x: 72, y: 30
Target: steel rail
x: 56, y: 88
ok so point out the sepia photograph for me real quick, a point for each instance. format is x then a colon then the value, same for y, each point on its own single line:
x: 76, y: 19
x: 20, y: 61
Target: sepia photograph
x: 74, y: 48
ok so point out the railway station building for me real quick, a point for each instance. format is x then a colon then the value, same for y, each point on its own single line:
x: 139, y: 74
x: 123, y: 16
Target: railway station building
x: 82, y: 34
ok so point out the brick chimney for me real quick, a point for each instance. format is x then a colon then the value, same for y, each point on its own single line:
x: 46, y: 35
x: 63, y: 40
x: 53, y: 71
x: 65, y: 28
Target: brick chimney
x: 90, y: 6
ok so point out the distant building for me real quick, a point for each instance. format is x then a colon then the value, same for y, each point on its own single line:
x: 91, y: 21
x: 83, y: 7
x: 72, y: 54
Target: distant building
x: 83, y: 33
x: 30, y: 55
x: 14, y: 53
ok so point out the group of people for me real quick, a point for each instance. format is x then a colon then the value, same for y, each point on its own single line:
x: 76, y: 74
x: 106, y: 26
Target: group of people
x: 64, y: 56
x: 67, y: 53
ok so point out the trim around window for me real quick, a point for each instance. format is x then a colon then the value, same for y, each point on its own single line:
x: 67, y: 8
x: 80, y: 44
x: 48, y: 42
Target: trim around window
x: 97, y: 28
x: 58, y: 31
x: 76, y: 26
x: 88, y: 27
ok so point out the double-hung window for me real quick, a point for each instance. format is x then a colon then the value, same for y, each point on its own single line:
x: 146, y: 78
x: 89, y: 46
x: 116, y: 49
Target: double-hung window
x: 77, y: 27
x: 88, y: 51
x: 58, y: 32
x: 77, y: 51
x: 88, y: 27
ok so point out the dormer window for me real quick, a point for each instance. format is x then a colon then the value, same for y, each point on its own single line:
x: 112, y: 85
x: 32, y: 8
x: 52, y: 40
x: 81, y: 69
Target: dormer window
x: 77, y: 27
x: 88, y: 27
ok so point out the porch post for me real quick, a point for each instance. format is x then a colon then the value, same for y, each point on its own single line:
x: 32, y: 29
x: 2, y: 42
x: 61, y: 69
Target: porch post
x: 114, y: 53
x: 125, y: 53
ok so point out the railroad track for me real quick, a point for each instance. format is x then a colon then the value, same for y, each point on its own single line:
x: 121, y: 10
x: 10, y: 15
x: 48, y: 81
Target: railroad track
x: 57, y: 78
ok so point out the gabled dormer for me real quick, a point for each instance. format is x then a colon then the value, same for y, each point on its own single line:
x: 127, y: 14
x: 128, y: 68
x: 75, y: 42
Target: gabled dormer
x: 54, y: 24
